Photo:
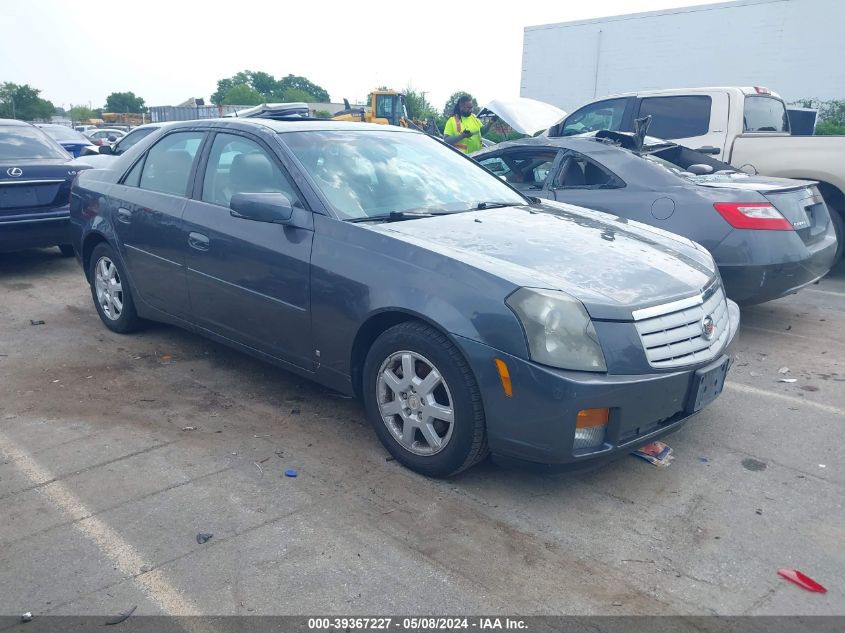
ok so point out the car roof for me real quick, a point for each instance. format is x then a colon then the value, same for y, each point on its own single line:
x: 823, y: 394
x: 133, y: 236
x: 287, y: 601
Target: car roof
x: 297, y: 124
x: 15, y: 122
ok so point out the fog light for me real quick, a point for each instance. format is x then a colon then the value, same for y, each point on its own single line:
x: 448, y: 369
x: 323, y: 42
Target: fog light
x: 590, y: 427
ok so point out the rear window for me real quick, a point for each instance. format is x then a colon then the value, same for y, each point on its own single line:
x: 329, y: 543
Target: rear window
x: 22, y: 142
x: 765, y: 114
x: 61, y: 133
x: 677, y: 117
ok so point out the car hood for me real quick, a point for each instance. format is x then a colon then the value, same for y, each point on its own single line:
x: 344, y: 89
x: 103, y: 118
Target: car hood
x: 527, y: 116
x: 609, y: 263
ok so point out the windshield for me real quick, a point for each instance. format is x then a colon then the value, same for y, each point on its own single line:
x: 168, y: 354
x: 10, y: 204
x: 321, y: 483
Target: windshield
x: 133, y: 137
x: 765, y: 114
x: 62, y: 133
x: 22, y: 142
x: 372, y: 173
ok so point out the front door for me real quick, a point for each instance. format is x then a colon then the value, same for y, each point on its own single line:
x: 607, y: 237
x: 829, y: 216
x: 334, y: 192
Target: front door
x: 249, y: 281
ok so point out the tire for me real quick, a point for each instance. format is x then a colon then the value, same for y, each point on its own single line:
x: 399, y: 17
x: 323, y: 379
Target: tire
x: 114, y: 305
x: 67, y: 250
x: 429, y: 445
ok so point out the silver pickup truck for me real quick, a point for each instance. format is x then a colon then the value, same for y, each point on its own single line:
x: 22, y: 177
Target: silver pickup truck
x: 746, y: 127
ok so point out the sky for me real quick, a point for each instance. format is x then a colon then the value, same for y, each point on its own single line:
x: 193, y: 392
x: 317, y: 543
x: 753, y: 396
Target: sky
x: 77, y: 53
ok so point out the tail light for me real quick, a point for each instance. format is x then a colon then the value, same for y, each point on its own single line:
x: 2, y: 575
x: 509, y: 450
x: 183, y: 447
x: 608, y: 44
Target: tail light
x: 753, y: 215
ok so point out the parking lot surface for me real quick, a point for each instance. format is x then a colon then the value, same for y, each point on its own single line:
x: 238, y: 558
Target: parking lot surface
x: 115, y: 451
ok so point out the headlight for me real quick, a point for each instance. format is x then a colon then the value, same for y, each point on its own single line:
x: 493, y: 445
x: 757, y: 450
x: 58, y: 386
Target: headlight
x: 560, y: 332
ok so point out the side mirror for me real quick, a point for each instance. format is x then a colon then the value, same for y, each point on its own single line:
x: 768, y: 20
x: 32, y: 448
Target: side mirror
x: 262, y: 207
x: 106, y: 149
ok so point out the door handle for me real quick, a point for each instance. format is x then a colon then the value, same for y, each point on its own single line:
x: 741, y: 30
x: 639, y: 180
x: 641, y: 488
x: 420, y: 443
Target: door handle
x: 198, y: 241
x: 124, y: 215
x: 708, y: 150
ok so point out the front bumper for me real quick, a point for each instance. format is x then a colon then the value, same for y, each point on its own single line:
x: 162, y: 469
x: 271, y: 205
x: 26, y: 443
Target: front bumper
x: 34, y: 230
x: 537, y: 424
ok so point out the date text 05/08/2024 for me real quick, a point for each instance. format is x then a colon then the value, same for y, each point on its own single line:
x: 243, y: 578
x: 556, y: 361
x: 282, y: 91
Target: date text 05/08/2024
x: 417, y: 624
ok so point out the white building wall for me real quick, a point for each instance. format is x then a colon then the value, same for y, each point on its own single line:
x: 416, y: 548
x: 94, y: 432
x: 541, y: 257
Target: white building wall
x: 795, y: 47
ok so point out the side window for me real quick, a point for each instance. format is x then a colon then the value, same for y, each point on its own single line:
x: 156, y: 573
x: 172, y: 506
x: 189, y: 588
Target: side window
x: 167, y: 166
x: 240, y: 165
x: 578, y: 171
x: 765, y: 114
x: 604, y: 115
x: 523, y: 170
x: 133, y: 179
x: 677, y: 117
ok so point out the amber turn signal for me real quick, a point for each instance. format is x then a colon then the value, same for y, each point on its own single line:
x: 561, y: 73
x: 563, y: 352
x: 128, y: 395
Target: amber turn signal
x: 592, y: 417
x: 505, y: 377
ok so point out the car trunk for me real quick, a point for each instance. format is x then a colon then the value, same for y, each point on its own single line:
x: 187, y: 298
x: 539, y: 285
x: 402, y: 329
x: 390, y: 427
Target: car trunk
x: 40, y: 187
x: 805, y: 209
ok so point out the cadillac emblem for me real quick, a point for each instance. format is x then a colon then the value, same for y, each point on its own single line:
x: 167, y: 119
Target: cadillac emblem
x: 708, y: 328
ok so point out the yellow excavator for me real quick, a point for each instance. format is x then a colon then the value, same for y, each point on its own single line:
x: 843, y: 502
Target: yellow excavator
x: 387, y: 107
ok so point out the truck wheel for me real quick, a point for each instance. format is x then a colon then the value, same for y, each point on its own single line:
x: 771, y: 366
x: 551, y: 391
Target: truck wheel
x: 423, y: 401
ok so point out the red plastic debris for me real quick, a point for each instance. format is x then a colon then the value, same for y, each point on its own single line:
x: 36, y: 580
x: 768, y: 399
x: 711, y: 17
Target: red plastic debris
x: 802, y: 580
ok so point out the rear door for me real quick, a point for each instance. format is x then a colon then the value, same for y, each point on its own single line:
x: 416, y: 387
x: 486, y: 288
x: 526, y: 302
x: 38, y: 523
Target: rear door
x: 147, y: 207
x: 697, y: 121
x: 249, y: 280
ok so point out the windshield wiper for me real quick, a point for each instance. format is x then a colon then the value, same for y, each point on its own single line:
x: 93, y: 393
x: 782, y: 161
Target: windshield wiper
x: 492, y: 205
x: 397, y: 216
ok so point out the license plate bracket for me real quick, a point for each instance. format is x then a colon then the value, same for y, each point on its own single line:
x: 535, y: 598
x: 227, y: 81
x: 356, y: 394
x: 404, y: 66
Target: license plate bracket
x: 707, y: 384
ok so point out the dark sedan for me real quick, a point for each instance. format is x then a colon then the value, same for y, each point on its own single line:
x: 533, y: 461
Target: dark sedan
x: 74, y: 142
x: 380, y: 262
x: 769, y: 236
x: 35, y: 178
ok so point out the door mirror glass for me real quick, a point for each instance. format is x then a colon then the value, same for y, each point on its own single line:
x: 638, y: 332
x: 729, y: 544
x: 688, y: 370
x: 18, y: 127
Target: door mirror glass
x: 262, y: 207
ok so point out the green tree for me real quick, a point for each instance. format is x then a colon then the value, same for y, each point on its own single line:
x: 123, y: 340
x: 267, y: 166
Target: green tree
x: 831, y: 117
x: 243, y: 94
x: 295, y: 82
x: 418, y: 107
x: 293, y: 94
x: 81, y: 113
x: 22, y: 102
x: 450, y: 103
x: 124, y: 102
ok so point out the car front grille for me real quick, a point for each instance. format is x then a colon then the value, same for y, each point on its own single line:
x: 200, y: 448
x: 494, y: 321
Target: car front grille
x: 673, y: 334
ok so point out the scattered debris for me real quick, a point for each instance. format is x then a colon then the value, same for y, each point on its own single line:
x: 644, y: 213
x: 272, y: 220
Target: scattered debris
x: 783, y: 370
x: 258, y: 466
x: 657, y: 453
x: 802, y: 580
x: 809, y: 388
x: 260, y: 436
x: 291, y: 472
x: 123, y: 616
x: 389, y: 511
x: 617, y: 604
x: 703, y: 460
x: 26, y: 617
x: 295, y: 411
x: 822, y: 465
x: 754, y: 374
x: 166, y: 358
x: 31, y: 322
x: 389, y: 459
x: 280, y: 454
x: 146, y: 568
x: 204, y: 537
x: 759, y: 511
x: 789, y: 380
x: 755, y: 465
x: 788, y: 327
x: 189, y: 428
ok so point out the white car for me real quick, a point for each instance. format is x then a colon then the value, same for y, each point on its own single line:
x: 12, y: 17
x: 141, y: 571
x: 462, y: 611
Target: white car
x: 104, y: 136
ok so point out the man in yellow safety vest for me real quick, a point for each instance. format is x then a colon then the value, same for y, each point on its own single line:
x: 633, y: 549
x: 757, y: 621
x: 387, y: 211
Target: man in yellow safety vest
x: 463, y: 129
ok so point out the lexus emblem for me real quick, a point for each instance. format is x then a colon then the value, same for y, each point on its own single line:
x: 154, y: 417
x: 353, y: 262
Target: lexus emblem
x: 14, y: 172
x: 708, y: 328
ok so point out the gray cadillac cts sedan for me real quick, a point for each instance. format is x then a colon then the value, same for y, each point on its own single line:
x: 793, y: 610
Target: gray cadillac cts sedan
x: 380, y: 262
